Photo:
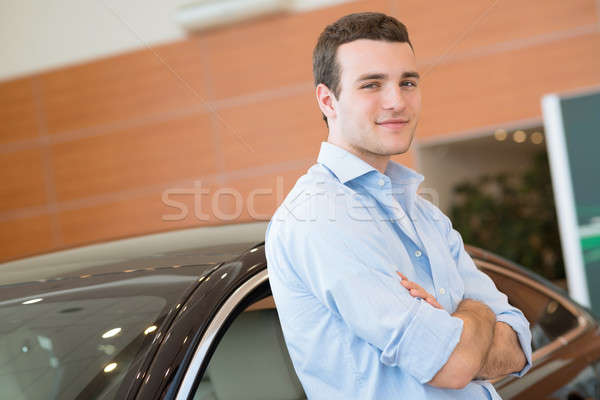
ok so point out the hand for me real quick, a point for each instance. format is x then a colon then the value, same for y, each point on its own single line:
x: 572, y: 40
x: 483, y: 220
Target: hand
x: 417, y: 291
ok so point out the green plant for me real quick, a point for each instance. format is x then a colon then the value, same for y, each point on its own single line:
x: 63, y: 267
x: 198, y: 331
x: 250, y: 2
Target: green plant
x: 514, y: 216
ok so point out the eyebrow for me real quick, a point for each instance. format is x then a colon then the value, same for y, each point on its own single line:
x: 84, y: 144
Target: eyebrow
x: 369, y: 76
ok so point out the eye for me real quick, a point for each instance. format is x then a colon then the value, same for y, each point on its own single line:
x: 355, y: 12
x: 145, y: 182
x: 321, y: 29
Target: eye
x: 411, y: 84
x: 371, y: 85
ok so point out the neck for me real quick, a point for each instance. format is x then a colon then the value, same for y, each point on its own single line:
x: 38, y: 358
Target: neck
x: 377, y: 161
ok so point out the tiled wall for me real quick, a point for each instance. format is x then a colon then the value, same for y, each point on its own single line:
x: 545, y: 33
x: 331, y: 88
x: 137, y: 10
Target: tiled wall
x: 98, y: 151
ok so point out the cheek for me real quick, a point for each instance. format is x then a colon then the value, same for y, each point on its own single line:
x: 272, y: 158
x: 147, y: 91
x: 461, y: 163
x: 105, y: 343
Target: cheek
x: 360, y: 110
x: 366, y: 108
x: 415, y: 102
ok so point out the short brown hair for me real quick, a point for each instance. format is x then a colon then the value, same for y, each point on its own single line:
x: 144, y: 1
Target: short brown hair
x: 365, y: 25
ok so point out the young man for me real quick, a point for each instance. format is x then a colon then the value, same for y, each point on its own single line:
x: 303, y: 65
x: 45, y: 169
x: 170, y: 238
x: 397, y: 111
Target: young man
x: 376, y: 295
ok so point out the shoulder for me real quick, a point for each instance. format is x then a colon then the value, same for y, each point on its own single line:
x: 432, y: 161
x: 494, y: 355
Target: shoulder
x: 314, y: 194
x: 433, y: 213
x: 318, y: 206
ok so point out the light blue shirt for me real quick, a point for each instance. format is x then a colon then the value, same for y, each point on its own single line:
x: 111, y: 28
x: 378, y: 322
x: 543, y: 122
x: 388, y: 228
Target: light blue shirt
x: 353, y: 331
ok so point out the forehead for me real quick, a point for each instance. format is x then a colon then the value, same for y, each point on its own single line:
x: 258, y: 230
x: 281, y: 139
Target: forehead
x: 364, y: 55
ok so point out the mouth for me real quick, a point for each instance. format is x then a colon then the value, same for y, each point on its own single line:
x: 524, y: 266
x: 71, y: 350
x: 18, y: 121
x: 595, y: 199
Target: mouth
x: 395, y: 123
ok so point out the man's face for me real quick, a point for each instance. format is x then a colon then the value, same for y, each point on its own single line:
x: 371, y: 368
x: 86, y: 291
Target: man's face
x: 378, y: 108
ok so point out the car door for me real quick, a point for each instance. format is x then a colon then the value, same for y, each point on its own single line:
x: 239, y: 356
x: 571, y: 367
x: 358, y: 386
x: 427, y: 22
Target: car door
x: 561, y: 333
x: 242, y: 354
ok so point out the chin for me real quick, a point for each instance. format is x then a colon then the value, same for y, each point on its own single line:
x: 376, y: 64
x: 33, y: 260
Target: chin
x: 396, y: 148
x: 401, y: 150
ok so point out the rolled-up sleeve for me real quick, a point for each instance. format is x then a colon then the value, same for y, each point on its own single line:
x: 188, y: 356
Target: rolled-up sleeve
x: 479, y: 286
x: 353, y: 279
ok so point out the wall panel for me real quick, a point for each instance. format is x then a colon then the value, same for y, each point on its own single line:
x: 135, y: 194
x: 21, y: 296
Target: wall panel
x: 132, y: 158
x: 90, y: 149
x: 442, y: 30
x: 18, y: 118
x: 29, y: 235
x: 271, y: 131
x: 101, y: 93
x: 22, y: 178
x: 507, y: 86
x: 154, y: 210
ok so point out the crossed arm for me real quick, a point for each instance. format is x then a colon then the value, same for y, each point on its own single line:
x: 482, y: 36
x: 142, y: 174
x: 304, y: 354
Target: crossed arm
x: 487, y: 348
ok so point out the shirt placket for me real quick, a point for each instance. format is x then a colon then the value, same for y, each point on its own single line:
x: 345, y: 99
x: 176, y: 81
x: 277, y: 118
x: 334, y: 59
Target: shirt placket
x: 436, y: 265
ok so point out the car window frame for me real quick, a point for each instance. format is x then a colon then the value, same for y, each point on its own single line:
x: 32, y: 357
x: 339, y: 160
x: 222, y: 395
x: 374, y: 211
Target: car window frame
x: 215, y: 330
x: 561, y: 341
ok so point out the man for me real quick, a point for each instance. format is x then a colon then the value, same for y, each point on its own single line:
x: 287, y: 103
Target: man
x: 376, y: 295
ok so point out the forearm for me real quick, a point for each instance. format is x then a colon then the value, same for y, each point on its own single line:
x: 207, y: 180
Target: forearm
x: 470, y: 354
x: 505, y: 355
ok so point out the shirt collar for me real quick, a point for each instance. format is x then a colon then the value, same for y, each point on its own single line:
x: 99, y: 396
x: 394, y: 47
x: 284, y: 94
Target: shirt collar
x: 401, y: 175
x: 346, y: 166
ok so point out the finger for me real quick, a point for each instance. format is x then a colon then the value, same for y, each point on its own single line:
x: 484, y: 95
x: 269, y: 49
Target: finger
x: 422, y: 293
x: 434, y: 303
x: 431, y: 300
x: 404, y: 278
x: 413, y: 285
x: 408, y: 284
x: 419, y: 293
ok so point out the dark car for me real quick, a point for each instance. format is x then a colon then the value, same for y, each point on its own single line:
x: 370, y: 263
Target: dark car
x: 189, y: 315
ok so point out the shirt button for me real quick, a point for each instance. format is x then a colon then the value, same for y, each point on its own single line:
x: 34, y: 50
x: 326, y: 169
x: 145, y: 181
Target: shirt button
x: 381, y: 182
x: 442, y: 291
x: 418, y: 253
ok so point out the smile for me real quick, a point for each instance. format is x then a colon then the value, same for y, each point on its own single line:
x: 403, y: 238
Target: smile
x: 393, y: 124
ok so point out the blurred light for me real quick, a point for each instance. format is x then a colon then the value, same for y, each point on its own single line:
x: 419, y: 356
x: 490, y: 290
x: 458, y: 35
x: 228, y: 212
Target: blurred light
x: 33, y: 301
x: 150, y: 329
x: 519, y: 136
x: 45, y: 343
x: 552, y: 307
x: 24, y: 349
x: 500, y: 134
x: 212, y: 13
x: 537, y: 138
x: 108, y: 349
x: 85, y: 276
x: 110, y: 367
x: 224, y: 275
x: 111, y: 333
x: 253, y: 250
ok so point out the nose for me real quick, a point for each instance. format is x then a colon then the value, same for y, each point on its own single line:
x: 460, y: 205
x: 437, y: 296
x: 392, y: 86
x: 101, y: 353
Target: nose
x: 393, y: 98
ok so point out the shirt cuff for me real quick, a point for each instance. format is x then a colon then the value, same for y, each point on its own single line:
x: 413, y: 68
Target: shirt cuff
x: 524, y: 335
x: 427, y: 343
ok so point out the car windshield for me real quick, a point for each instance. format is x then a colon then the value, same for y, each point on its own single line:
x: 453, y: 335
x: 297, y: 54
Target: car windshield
x: 82, y: 341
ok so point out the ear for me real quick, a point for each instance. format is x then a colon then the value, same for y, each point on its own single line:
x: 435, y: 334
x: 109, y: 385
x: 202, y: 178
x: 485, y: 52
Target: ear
x: 326, y: 101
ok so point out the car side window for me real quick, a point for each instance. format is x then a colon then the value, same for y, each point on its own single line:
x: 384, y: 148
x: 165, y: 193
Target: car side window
x: 250, y: 360
x: 548, y: 318
x: 73, y: 347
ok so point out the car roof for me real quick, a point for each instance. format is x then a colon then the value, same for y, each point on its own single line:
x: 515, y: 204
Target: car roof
x: 207, y: 246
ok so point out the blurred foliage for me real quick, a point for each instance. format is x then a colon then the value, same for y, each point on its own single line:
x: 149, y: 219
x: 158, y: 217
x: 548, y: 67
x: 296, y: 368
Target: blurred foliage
x: 512, y: 215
